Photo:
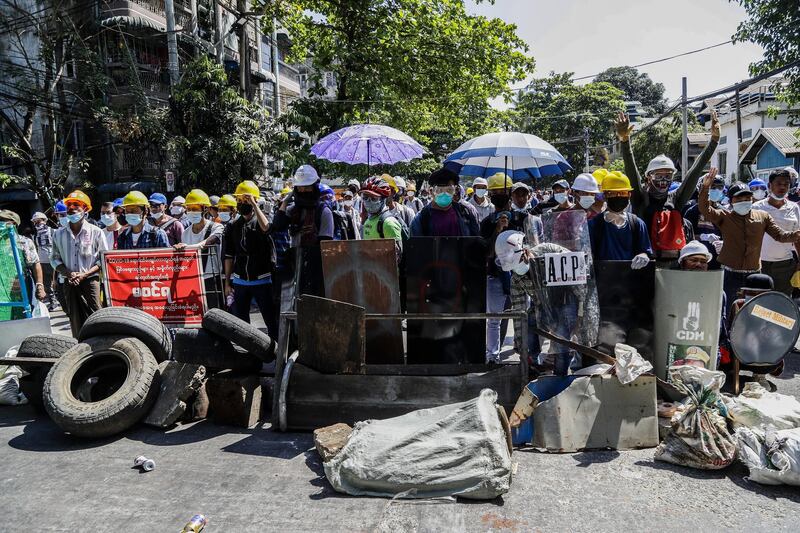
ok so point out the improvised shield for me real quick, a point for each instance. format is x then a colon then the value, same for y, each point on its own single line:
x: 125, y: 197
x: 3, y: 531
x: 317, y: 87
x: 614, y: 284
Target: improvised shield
x: 687, y: 319
x: 446, y: 275
x: 765, y: 329
x: 626, y: 305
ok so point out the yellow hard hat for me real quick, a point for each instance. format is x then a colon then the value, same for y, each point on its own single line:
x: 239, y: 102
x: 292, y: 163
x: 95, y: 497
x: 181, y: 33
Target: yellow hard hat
x: 500, y: 181
x: 616, y: 181
x: 247, y: 187
x: 599, y: 175
x: 197, y: 197
x: 390, y: 180
x: 227, y: 200
x: 470, y: 190
x: 135, y: 198
x: 286, y: 190
x: 79, y: 196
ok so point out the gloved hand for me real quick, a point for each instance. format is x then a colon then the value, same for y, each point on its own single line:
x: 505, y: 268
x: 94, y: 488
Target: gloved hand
x: 640, y: 261
x: 717, y: 246
x: 708, y: 237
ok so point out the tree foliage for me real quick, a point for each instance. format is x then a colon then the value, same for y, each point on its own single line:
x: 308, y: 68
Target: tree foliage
x: 775, y: 26
x: 636, y: 86
x: 665, y: 137
x: 559, y: 111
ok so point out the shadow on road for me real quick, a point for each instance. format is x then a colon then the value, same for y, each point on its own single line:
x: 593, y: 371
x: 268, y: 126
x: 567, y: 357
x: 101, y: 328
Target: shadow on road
x: 40, y: 434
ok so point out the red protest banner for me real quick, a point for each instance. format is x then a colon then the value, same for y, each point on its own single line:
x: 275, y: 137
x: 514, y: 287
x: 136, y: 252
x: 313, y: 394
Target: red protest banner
x: 165, y: 283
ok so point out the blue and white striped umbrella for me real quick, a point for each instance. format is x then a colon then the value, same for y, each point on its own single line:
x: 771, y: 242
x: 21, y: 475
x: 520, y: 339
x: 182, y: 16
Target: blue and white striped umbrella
x: 520, y: 155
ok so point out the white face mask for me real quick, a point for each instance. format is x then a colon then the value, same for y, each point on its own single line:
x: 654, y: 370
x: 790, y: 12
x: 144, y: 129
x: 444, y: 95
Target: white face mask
x: 224, y: 216
x: 521, y: 268
x: 480, y: 193
x: 410, y: 194
x: 176, y: 210
x: 759, y: 194
x: 742, y: 208
x: 157, y: 214
x: 560, y: 197
x: 777, y: 197
x: 347, y: 203
x: 108, y: 219
x: 586, y: 201
x: 63, y: 221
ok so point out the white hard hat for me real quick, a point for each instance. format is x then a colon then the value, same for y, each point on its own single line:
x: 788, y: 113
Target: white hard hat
x: 400, y: 182
x: 585, y: 183
x: 38, y: 215
x: 792, y: 172
x: 354, y: 182
x: 660, y: 162
x: 480, y: 181
x: 179, y: 200
x: 694, y: 248
x: 507, y: 248
x: 305, y: 175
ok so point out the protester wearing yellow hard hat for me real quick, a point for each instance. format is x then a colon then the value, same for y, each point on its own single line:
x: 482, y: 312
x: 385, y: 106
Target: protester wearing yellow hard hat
x: 226, y: 209
x: 139, y: 233
x: 207, y: 236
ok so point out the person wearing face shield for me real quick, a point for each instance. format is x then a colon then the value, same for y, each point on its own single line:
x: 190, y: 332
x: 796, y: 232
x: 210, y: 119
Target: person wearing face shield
x: 163, y: 221
x: 778, y: 260
x: 444, y: 217
x: 618, y: 235
x: 649, y: 198
x: 77, y: 252
x: 480, y: 198
x: 743, y: 229
x: 758, y: 188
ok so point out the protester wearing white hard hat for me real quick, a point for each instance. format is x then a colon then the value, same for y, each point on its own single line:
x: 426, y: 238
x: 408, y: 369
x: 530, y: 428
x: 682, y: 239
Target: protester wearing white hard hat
x: 585, y: 192
x: 480, y: 198
x: 694, y: 256
x: 305, y: 176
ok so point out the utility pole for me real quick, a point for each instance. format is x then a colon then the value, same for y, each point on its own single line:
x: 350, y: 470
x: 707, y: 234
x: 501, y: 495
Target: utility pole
x: 172, y: 43
x: 276, y: 96
x: 739, y: 175
x: 244, y: 51
x: 685, y: 139
x: 586, y: 152
x: 218, y: 35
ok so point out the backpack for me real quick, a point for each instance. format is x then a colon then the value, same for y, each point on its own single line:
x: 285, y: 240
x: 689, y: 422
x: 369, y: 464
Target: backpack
x: 667, y: 231
x: 341, y: 225
x: 405, y: 233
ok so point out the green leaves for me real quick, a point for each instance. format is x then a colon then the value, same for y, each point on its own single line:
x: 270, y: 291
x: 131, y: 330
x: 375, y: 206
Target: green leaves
x: 636, y: 86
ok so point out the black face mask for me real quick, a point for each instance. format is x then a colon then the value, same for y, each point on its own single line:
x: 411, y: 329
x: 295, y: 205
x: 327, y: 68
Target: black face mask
x: 307, y: 199
x: 499, y: 200
x: 617, y: 204
x: 245, y: 209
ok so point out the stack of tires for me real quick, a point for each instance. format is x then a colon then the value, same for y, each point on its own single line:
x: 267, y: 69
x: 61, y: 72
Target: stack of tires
x: 108, y: 379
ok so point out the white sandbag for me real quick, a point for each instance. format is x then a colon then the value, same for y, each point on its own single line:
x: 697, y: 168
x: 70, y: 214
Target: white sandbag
x: 773, y: 457
x: 629, y: 365
x: 756, y: 407
x: 9, y: 382
x: 453, y: 450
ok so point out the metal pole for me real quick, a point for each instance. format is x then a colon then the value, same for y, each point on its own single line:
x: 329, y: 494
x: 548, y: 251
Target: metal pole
x: 738, y: 133
x: 685, y: 135
x: 586, y: 152
x: 276, y: 97
x: 218, y: 35
x: 172, y: 43
x: 244, y: 59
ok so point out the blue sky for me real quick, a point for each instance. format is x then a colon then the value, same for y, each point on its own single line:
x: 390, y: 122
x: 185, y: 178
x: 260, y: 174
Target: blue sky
x: 587, y: 36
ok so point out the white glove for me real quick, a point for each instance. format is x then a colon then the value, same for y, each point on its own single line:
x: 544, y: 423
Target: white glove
x: 708, y: 237
x: 640, y: 261
x: 717, y: 246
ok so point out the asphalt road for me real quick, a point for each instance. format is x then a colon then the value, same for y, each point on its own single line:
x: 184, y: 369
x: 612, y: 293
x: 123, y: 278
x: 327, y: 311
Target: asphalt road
x: 260, y: 480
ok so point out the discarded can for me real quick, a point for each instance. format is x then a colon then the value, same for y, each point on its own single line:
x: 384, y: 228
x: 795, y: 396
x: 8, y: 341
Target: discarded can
x: 229, y: 300
x: 195, y: 525
x: 146, y: 464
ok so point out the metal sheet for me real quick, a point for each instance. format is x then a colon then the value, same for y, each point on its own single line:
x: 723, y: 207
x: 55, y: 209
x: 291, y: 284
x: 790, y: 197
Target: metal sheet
x: 626, y: 305
x: 364, y: 273
x: 13, y: 332
x: 333, y: 334
x: 688, y: 306
x: 765, y: 329
x: 446, y: 275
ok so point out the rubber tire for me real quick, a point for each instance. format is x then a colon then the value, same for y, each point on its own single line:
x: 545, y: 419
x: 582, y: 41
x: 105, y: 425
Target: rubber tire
x: 129, y: 322
x: 45, y: 346
x: 201, y: 347
x: 116, y: 413
x: 241, y: 333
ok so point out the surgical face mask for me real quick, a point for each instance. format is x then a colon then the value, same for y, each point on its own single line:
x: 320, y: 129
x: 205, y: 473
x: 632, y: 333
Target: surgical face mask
x: 742, y: 208
x: 108, y: 219
x: 156, y: 212
x: 777, y: 196
x: 133, y: 219
x: 521, y: 268
x: 224, y: 216
x: 63, y: 221
x: 176, y: 210
x: 410, y: 194
x: 560, y: 197
x: 759, y: 194
x: 194, y: 216
x: 373, y: 206
x: 444, y: 199
x: 617, y: 204
x: 347, y: 203
x: 74, y: 218
x: 586, y: 201
x: 480, y: 193
x: 715, y: 195
x: 545, y: 197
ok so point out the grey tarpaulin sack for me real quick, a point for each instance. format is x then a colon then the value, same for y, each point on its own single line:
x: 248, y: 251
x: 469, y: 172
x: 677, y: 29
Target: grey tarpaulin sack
x: 453, y: 450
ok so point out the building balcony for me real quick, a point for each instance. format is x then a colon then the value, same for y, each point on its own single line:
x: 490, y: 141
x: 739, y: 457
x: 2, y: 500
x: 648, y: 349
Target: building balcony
x: 288, y: 79
x: 144, y: 14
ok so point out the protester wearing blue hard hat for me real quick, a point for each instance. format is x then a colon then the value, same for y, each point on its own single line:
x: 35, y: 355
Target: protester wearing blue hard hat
x: 159, y: 218
x: 758, y: 188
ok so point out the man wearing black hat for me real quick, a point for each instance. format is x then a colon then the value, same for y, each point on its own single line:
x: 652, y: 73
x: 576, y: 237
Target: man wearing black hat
x: 743, y: 230
x: 443, y: 217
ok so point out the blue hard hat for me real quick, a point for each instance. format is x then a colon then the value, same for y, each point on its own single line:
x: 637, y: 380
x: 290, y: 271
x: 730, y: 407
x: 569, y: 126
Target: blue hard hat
x: 61, y: 207
x: 157, y: 198
x: 118, y: 202
x: 324, y: 189
x: 757, y: 183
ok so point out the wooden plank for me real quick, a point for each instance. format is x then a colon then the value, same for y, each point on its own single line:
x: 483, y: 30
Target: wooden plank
x: 27, y: 361
x: 332, y: 335
x: 364, y: 273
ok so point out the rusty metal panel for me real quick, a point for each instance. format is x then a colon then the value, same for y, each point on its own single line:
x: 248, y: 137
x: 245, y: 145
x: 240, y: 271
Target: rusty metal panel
x: 332, y: 335
x: 446, y: 275
x: 364, y: 273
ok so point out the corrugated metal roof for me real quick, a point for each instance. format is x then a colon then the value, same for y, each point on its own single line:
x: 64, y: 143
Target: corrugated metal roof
x: 702, y: 138
x: 784, y: 139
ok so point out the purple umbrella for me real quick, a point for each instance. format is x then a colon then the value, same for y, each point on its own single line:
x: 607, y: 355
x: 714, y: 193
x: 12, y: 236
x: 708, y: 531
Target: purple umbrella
x: 368, y: 144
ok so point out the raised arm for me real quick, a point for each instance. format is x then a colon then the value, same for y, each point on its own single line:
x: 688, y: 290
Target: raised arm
x: 711, y: 214
x: 684, y: 193
x: 624, y: 129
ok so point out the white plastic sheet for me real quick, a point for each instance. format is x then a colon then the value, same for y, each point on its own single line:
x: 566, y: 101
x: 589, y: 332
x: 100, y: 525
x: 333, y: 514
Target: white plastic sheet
x: 756, y: 407
x: 773, y: 457
x: 453, y: 450
x: 9, y: 382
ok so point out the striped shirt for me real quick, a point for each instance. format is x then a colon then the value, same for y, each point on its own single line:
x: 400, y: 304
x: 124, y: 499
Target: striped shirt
x: 78, y: 253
